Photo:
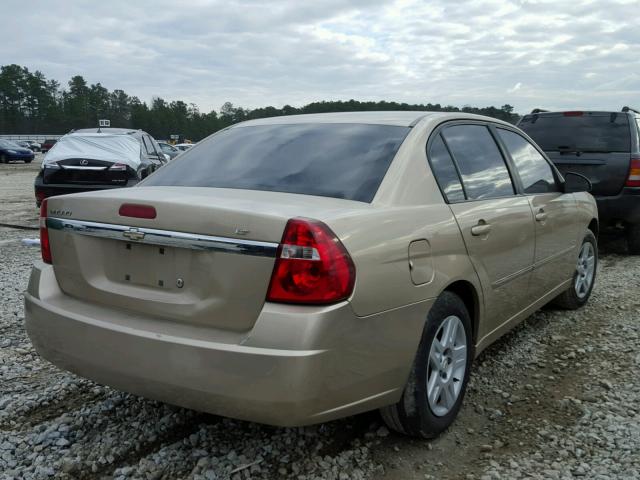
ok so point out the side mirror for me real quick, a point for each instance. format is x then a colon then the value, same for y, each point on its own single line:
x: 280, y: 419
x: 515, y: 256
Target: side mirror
x: 166, y: 157
x: 576, y: 182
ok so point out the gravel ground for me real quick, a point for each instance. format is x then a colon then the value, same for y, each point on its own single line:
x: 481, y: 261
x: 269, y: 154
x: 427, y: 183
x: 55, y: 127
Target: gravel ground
x: 559, y: 397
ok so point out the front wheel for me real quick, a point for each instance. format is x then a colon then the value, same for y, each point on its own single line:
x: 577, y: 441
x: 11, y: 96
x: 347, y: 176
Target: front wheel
x: 584, y: 276
x: 3, y: 159
x: 439, y: 375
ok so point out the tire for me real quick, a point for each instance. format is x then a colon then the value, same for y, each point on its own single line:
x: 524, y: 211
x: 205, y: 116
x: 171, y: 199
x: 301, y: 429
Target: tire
x: 573, y: 297
x: 3, y: 159
x: 633, y: 238
x: 415, y: 415
x: 27, y: 161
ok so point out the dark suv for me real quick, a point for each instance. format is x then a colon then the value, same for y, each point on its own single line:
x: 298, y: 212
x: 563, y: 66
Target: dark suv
x: 604, y: 147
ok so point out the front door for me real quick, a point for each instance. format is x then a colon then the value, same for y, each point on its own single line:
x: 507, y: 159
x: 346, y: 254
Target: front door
x: 553, y: 211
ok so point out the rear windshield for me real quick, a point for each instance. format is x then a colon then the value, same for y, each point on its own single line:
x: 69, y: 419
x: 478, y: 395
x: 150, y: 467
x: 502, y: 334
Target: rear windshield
x: 588, y: 132
x: 330, y: 160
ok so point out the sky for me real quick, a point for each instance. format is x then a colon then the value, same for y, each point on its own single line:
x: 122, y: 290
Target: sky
x: 560, y: 54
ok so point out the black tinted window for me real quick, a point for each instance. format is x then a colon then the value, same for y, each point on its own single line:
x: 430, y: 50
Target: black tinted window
x: 536, y: 174
x: 586, y: 132
x: 332, y: 160
x: 483, y: 170
x: 445, y: 171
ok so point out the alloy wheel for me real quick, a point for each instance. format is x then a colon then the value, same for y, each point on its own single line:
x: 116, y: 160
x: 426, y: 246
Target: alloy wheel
x: 447, y: 366
x: 585, y: 270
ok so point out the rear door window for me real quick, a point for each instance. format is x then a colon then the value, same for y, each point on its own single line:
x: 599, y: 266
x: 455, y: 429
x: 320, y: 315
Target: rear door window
x: 333, y: 160
x: 483, y: 169
x: 535, y: 172
x: 579, y: 131
x: 148, y: 145
x: 445, y: 171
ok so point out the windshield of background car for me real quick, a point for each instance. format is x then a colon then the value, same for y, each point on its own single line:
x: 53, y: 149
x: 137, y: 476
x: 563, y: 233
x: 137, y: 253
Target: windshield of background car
x: 332, y: 160
x: 580, y: 131
x: 8, y: 144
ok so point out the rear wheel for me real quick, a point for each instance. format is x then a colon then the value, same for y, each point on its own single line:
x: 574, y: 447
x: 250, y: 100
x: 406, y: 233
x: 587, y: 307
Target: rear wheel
x: 633, y: 238
x: 584, y: 276
x: 439, y: 375
x: 3, y: 159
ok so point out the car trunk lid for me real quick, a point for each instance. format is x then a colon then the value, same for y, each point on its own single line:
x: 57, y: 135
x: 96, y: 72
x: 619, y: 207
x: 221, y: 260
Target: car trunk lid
x: 206, y: 258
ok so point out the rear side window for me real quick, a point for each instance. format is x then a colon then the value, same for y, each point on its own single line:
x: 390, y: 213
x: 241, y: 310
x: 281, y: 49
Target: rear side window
x: 484, y: 172
x: 148, y: 145
x: 333, y: 160
x: 534, y: 171
x: 579, y: 131
x: 445, y: 171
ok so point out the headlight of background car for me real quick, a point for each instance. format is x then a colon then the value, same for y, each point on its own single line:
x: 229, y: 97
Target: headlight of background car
x: 11, y: 152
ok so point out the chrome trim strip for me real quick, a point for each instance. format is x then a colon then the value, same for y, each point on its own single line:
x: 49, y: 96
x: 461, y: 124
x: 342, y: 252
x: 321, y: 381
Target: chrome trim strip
x: 511, y: 277
x: 79, y: 167
x: 553, y: 257
x: 535, y: 266
x: 165, y: 238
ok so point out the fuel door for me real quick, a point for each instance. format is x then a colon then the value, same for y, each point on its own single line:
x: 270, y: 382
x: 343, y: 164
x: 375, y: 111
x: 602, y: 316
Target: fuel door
x: 420, y: 262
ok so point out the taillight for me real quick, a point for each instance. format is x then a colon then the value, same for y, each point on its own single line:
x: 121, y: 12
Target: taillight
x: 45, y: 246
x: 633, y: 180
x: 573, y: 114
x: 312, y: 266
x: 137, y: 211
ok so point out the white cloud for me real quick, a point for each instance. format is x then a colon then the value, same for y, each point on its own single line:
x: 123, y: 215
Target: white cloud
x: 253, y: 53
x: 515, y: 88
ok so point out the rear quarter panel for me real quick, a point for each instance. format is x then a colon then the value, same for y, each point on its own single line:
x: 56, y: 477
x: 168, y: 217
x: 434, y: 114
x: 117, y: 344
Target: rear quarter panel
x: 379, y: 245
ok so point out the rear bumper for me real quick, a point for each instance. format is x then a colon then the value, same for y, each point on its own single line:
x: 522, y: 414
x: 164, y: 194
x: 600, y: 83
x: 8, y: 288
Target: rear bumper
x: 624, y: 207
x: 297, y: 365
x: 19, y: 157
x: 46, y: 190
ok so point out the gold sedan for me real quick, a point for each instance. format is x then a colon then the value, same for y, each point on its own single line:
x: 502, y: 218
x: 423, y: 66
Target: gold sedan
x: 294, y: 270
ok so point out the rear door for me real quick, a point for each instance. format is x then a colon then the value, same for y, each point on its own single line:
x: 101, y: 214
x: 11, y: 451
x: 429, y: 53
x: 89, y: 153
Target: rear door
x: 595, y: 144
x: 554, y: 213
x: 496, y: 224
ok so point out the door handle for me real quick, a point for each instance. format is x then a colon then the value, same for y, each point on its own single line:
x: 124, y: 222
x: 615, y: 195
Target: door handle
x: 541, y: 216
x: 481, y: 228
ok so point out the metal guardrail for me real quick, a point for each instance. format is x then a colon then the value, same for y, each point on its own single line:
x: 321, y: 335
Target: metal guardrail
x: 35, y: 137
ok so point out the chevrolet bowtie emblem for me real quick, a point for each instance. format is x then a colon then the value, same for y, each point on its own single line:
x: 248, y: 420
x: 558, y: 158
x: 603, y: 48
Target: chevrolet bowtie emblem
x: 133, y: 234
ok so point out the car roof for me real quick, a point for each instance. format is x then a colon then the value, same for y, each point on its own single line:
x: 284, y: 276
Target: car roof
x: 590, y: 112
x: 397, y: 118
x: 109, y: 131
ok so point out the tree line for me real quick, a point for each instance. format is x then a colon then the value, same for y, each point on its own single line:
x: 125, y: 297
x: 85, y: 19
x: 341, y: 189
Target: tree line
x: 32, y: 104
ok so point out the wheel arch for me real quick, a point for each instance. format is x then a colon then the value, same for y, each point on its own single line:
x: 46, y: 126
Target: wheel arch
x: 593, y: 226
x: 469, y: 295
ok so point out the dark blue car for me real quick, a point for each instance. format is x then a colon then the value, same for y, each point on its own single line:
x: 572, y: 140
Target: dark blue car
x: 11, y: 151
